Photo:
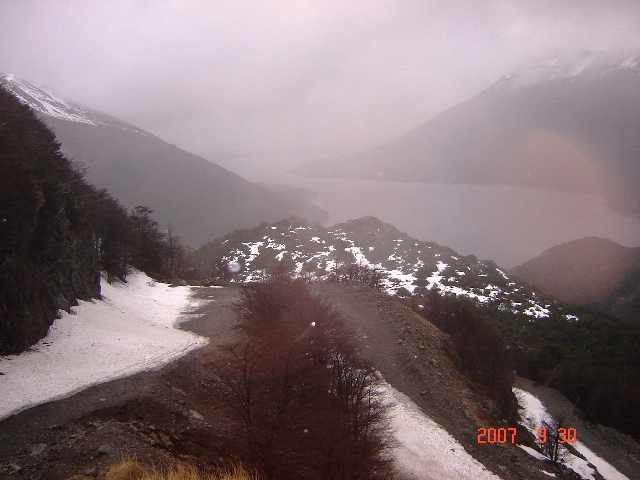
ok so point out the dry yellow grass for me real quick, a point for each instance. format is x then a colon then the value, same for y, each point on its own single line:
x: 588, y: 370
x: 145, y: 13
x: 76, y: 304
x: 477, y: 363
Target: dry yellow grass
x: 132, y: 470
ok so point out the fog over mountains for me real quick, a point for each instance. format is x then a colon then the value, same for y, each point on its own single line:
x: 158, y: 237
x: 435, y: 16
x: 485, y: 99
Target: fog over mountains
x: 197, y: 199
x: 570, y: 126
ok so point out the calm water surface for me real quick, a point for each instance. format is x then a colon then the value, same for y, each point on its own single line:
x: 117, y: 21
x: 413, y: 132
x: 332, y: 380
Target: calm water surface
x: 507, y: 224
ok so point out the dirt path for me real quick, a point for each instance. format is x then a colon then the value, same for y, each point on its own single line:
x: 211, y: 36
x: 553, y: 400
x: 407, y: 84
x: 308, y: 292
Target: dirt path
x: 126, y: 417
x: 412, y: 356
x: 148, y: 414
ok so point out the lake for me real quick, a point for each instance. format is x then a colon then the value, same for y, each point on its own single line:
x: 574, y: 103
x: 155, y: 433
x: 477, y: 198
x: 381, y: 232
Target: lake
x: 507, y: 224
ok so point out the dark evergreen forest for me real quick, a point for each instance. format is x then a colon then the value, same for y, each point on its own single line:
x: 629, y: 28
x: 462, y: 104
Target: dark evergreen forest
x: 57, y: 232
x: 594, y: 361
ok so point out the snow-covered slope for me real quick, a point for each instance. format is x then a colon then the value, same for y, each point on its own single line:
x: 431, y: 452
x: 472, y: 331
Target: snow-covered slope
x: 588, y: 63
x: 130, y: 330
x: 44, y: 101
x: 408, y: 265
x: 425, y: 449
x: 580, y: 458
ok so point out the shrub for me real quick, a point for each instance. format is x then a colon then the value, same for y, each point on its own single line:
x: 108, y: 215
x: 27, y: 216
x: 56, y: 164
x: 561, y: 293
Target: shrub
x: 132, y: 470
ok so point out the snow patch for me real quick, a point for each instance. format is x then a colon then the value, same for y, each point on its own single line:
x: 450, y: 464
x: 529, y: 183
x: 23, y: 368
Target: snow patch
x: 426, y: 450
x: 533, y: 413
x: 132, y: 329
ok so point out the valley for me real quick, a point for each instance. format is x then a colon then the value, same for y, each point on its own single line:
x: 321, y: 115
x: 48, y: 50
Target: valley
x: 158, y: 414
x: 344, y: 308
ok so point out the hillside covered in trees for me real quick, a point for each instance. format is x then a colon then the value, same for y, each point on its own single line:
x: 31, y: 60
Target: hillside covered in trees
x: 589, y: 271
x: 57, y: 231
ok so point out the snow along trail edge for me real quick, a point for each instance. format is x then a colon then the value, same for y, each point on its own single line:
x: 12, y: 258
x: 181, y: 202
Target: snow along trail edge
x: 132, y: 329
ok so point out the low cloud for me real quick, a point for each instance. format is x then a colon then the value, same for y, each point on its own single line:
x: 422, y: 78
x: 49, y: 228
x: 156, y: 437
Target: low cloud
x: 214, y: 76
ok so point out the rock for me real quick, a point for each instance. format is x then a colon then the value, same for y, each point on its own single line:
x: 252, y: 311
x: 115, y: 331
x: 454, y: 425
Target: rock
x: 502, y: 469
x: 37, y: 449
x: 178, y: 391
x: 166, y: 441
x: 423, y: 392
x: 106, y: 449
x: 61, y: 303
x: 91, y: 472
x: 196, y: 415
x: 434, y: 362
x: 440, y: 375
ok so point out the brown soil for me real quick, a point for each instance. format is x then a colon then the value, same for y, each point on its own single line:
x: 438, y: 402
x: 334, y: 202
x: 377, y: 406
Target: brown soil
x: 167, y: 413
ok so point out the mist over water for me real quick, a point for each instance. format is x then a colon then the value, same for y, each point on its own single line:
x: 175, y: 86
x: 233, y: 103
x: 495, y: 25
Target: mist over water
x: 506, y: 224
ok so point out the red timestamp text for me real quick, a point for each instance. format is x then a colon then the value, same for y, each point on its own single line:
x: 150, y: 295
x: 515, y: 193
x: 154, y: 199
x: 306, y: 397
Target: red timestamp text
x: 564, y: 435
x: 496, y: 435
x: 508, y: 435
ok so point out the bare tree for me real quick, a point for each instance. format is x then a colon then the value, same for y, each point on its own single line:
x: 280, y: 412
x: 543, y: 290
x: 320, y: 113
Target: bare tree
x: 308, y: 406
x: 555, y: 435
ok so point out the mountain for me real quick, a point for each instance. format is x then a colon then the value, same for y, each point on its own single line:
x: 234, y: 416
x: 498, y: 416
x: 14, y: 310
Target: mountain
x: 570, y: 126
x: 197, y: 199
x: 360, y: 246
x: 590, y: 271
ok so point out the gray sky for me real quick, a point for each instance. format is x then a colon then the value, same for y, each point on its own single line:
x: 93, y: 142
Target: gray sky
x: 211, y: 76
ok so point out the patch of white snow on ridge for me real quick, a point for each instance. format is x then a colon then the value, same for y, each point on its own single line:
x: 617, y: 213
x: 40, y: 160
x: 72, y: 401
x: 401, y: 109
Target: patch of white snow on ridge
x: 254, y: 251
x: 397, y: 279
x: 44, y: 101
x: 131, y: 330
x: 534, y: 453
x: 608, y: 471
x: 537, y: 311
x: 426, y: 450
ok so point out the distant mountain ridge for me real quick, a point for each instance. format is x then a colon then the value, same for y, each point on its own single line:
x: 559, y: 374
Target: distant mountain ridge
x: 571, y: 128
x: 589, y: 271
x: 197, y: 199
x: 409, y: 265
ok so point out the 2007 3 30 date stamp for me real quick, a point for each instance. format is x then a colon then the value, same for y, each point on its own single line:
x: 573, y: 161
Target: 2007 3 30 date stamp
x: 508, y: 435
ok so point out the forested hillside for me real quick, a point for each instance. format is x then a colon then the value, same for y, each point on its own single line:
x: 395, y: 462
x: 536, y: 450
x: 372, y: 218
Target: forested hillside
x: 47, y: 251
x: 57, y: 231
x: 198, y: 199
x: 589, y: 271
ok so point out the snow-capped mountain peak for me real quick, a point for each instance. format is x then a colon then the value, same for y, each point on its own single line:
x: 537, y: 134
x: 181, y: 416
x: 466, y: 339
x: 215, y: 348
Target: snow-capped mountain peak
x: 569, y: 66
x: 45, y: 102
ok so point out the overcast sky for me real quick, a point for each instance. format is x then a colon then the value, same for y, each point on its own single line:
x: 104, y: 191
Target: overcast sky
x: 214, y: 76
